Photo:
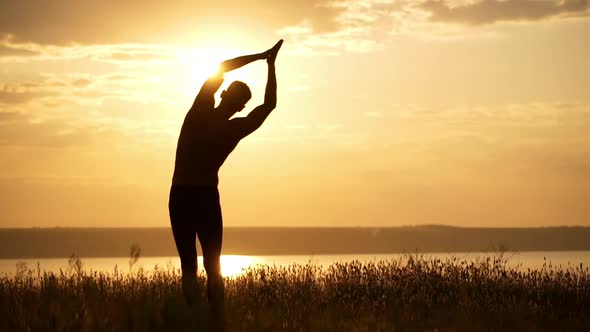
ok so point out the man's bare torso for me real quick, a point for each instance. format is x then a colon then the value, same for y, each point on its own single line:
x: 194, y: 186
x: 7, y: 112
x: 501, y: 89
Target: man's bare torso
x: 204, y: 144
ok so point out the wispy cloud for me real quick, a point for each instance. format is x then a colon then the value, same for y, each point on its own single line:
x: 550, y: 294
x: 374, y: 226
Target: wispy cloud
x: 8, y: 96
x: 368, y: 25
x: 9, y: 51
x: 66, y: 22
x: 491, y: 11
x: 356, y: 27
x: 24, y: 130
x: 554, y: 126
x: 304, y: 41
x: 316, y: 27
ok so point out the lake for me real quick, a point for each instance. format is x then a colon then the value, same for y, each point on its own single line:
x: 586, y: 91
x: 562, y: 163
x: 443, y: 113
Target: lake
x: 233, y: 265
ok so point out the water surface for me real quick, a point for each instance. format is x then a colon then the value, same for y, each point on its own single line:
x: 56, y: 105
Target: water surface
x: 233, y: 265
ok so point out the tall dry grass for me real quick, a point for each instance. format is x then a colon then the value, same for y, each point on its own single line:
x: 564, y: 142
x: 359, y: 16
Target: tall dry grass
x: 412, y: 293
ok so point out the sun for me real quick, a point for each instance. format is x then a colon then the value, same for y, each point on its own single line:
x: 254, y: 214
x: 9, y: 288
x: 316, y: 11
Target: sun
x: 234, y: 265
x: 204, y: 62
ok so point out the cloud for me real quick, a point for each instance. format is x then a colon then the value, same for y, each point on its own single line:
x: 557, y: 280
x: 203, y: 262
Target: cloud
x: 531, y: 125
x: 76, y: 109
x: 520, y: 139
x: 12, y: 95
x: 358, y: 26
x: 48, y: 86
x: 36, y: 114
x: 316, y: 26
x: 8, y: 117
x: 367, y: 25
x: 530, y: 114
x: 62, y: 22
x: 22, y: 130
x: 139, y: 56
x: 8, y: 51
x: 492, y: 11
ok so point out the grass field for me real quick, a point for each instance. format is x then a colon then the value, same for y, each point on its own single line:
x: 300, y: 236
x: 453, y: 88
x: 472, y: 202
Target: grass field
x: 409, y: 294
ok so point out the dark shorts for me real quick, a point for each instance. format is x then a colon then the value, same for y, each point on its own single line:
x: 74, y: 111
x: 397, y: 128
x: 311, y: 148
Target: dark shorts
x: 196, y: 211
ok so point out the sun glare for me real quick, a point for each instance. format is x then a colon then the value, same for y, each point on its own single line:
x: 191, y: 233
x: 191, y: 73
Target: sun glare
x: 231, y: 265
x: 203, y: 63
x: 234, y: 265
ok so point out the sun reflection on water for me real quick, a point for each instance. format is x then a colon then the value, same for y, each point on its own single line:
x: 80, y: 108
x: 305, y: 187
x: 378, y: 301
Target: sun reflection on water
x: 231, y: 265
x: 234, y: 265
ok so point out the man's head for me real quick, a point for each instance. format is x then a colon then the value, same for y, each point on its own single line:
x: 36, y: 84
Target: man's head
x: 236, y: 96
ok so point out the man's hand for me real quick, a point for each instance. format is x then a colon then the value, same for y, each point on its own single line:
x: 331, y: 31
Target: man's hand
x: 271, y: 54
x: 242, y: 127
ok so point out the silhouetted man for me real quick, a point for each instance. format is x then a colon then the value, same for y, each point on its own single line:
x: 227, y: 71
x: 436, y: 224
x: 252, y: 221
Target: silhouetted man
x: 206, y: 139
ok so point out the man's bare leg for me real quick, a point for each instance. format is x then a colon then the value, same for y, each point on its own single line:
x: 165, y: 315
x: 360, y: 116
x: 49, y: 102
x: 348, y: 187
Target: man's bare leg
x: 182, y: 216
x: 215, y: 294
x: 189, y: 286
x: 211, y: 237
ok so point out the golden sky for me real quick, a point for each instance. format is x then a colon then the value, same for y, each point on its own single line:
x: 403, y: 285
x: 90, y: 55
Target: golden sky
x: 467, y: 113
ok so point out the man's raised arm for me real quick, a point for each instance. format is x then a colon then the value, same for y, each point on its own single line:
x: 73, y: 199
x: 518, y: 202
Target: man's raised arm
x: 245, y: 126
x: 235, y: 63
x: 205, y: 96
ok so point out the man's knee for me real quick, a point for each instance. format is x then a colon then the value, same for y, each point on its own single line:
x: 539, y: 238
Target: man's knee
x: 212, y: 267
x: 188, y: 266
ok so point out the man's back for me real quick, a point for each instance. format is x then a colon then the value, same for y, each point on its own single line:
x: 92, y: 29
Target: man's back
x: 204, y: 143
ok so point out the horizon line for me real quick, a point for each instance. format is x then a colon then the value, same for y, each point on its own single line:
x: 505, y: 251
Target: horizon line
x: 300, y: 227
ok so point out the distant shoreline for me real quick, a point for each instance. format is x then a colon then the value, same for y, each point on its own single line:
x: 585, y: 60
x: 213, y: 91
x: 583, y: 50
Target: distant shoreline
x: 61, y: 242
